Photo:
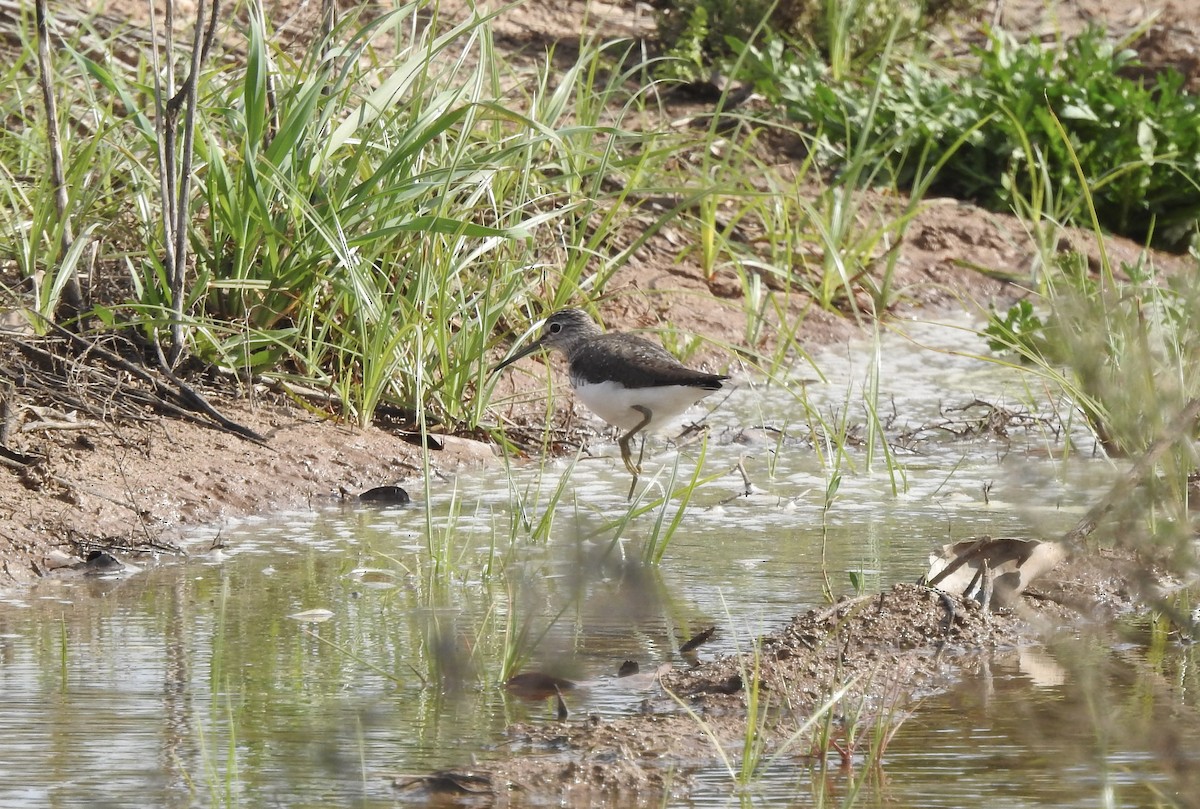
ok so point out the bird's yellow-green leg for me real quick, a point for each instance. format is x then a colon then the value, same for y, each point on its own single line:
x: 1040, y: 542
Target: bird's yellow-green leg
x: 627, y: 454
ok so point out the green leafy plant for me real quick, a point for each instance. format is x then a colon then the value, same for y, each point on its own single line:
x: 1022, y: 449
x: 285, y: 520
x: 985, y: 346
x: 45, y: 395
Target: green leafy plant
x: 1019, y: 330
x: 693, y: 32
x: 1135, y: 140
x: 1028, y: 116
x: 685, y: 58
x: 701, y: 33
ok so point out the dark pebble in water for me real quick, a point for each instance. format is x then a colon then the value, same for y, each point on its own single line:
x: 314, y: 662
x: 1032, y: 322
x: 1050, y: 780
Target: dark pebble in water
x: 385, y: 496
x: 99, y: 562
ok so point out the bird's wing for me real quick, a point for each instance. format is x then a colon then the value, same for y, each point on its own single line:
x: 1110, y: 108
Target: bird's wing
x: 643, y: 363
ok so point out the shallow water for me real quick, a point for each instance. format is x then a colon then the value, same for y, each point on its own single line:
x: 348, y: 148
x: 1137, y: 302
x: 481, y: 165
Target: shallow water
x: 192, y: 684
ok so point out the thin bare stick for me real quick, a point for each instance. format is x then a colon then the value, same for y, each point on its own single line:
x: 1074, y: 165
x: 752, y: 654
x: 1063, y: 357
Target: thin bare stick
x: 183, y: 393
x: 72, y: 297
x: 175, y: 161
x: 164, y: 71
x: 182, y: 208
x: 328, y: 23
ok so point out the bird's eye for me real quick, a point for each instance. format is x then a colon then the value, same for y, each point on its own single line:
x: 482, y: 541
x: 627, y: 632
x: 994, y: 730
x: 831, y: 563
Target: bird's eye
x: 555, y: 328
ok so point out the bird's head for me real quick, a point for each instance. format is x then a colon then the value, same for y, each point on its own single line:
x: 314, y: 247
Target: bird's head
x: 562, y: 331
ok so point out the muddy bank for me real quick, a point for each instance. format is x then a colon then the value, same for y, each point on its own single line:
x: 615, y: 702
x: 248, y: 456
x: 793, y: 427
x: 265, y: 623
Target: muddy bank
x: 131, y: 484
x: 886, y: 649
x: 868, y: 661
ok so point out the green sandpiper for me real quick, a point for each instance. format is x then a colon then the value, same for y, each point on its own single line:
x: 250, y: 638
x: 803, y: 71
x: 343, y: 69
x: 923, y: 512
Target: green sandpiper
x: 625, y: 379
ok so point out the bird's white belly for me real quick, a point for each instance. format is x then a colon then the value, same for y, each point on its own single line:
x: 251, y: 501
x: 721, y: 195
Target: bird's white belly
x: 615, y: 403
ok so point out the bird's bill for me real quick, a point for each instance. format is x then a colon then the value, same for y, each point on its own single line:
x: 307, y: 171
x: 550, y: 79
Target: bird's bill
x: 524, y: 352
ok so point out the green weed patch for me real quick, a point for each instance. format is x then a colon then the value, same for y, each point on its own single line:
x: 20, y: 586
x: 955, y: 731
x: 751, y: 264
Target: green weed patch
x: 1012, y: 129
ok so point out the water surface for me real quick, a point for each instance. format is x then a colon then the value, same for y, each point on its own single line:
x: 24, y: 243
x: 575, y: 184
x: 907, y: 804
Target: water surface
x: 211, y: 682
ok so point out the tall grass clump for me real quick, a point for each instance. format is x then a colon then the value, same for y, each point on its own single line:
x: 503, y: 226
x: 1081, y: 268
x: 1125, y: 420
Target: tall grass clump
x: 362, y: 239
x: 364, y: 211
x: 50, y: 231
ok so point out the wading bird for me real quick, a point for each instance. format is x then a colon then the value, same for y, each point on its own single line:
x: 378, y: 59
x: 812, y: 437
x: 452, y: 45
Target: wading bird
x: 626, y: 380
